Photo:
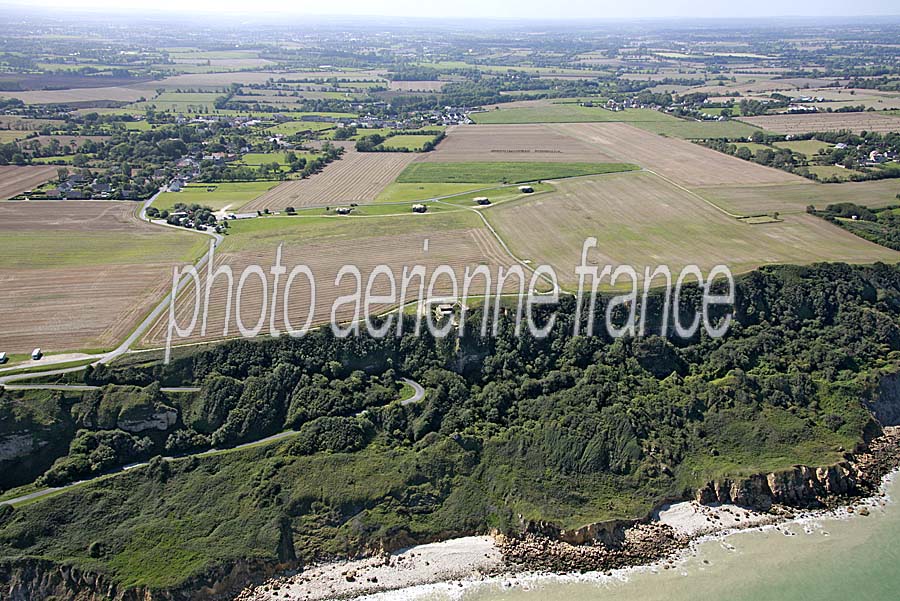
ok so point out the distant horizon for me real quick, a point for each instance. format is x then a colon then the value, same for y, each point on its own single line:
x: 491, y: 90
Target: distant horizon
x: 524, y: 11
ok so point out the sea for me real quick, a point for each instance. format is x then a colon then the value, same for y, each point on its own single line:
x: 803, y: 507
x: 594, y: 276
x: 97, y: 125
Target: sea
x: 834, y: 557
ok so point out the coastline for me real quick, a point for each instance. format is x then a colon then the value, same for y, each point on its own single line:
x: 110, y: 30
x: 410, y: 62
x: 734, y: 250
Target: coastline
x: 673, y: 534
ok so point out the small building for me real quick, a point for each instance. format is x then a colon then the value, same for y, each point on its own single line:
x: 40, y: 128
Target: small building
x: 419, y: 208
x: 3, y: 358
x: 482, y: 200
x: 36, y: 354
x: 526, y: 189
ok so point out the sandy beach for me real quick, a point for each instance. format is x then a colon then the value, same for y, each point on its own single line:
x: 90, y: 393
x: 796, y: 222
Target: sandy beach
x: 455, y: 559
x: 466, y: 559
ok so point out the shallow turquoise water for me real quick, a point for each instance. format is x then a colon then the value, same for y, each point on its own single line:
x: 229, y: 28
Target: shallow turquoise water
x: 821, y: 559
x: 825, y: 559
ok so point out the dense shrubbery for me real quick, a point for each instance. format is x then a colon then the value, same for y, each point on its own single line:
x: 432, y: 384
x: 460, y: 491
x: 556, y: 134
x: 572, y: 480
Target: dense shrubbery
x: 565, y: 428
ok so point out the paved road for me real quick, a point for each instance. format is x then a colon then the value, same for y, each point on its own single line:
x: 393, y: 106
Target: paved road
x: 419, y: 392
x: 418, y: 395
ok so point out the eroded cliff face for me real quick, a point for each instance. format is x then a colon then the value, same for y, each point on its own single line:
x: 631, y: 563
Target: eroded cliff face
x: 34, y: 579
x: 800, y: 486
x: 885, y: 404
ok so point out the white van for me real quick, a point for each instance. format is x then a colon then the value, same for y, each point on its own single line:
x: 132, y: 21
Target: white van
x: 36, y: 354
x: 3, y: 358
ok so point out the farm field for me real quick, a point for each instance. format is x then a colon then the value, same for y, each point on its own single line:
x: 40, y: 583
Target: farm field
x: 683, y: 162
x: 411, y: 142
x: 458, y: 239
x: 416, y: 86
x: 120, y: 94
x: 527, y: 142
x: 15, y: 180
x: 642, y: 220
x: 80, y: 275
x: 694, y: 130
x: 502, y: 173
x: 794, y: 198
x: 7, y: 136
x: 398, y: 192
x: 548, y: 112
x: 218, y: 196
x: 799, y: 124
x: 809, y: 148
x: 355, y: 177
x: 833, y: 171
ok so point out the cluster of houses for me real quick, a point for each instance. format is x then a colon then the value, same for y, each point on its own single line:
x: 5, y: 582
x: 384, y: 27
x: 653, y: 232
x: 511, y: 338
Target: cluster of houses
x: 78, y: 186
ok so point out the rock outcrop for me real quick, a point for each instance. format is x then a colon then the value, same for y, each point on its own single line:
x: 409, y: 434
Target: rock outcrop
x: 800, y: 486
x: 33, y: 579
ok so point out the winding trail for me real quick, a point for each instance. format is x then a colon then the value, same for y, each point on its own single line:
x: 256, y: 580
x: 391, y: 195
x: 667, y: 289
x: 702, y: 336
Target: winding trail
x: 418, y: 395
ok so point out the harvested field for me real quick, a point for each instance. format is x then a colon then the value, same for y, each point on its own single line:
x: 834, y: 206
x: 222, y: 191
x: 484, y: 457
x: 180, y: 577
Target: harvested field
x: 120, y: 94
x: 416, y: 86
x: 800, y: 124
x: 642, y: 220
x: 684, y: 162
x: 528, y: 142
x: 81, y: 275
x: 794, y: 198
x: 325, y: 245
x: 356, y: 177
x: 15, y: 180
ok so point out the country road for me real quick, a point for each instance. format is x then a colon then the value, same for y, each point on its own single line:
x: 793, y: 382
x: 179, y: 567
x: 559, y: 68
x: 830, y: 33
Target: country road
x: 418, y: 395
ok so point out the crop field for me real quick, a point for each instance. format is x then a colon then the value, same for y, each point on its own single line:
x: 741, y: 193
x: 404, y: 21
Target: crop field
x: 410, y: 142
x: 502, y: 173
x: 794, y: 198
x: 218, y: 196
x: 121, y: 94
x: 290, y: 128
x: 81, y: 275
x: 547, y: 112
x: 810, y: 148
x: 696, y: 130
x: 826, y: 172
x: 799, y: 124
x: 417, y: 86
x: 642, y: 220
x: 528, y: 142
x: 398, y: 192
x: 325, y: 244
x: 15, y: 180
x: 683, y: 162
x: 356, y: 177
x: 7, y: 136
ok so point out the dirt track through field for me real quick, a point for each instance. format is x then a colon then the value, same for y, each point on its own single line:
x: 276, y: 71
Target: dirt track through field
x: 356, y: 177
x: 15, y: 180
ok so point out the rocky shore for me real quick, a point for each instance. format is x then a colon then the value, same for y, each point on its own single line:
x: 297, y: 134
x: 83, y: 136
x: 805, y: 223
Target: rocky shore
x: 718, y: 506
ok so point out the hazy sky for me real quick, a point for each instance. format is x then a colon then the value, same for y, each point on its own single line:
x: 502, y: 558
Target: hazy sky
x: 508, y: 9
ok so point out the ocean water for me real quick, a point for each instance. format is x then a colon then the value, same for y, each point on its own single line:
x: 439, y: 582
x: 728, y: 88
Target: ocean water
x: 852, y: 558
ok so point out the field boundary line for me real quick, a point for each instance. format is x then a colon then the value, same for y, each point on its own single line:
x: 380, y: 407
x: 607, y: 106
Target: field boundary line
x: 695, y: 195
